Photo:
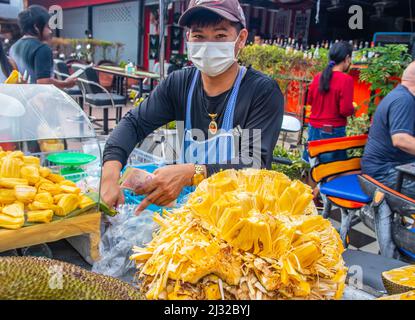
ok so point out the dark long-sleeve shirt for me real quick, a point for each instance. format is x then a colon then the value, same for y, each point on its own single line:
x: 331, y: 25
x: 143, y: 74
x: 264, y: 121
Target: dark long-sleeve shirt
x: 260, y: 105
x: 333, y: 107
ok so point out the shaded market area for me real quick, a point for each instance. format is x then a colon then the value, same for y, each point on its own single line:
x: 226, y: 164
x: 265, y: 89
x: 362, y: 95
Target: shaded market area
x: 207, y: 150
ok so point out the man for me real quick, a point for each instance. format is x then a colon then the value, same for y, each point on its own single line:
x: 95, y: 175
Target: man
x: 392, y: 135
x: 31, y: 53
x: 215, y: 97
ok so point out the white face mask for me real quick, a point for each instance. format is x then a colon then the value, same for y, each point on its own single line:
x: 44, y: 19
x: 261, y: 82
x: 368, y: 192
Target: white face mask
x: 212, y: 58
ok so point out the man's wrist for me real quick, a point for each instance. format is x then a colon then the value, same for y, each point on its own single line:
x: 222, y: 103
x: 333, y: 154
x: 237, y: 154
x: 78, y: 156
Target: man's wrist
x: 111, y: 170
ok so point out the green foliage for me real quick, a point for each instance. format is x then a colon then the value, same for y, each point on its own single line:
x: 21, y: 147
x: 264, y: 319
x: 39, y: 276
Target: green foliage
x: 357, y: 126
x: 88, y: 48
x: 296, y: 169
x: 384, y: 69
x: 280, y: 64
x: 122, y: 64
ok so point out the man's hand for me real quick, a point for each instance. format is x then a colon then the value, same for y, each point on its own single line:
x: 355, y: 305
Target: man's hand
x: 111, y: 192
x: 165, y: 186
x: 61, y: 84
x: 70, y: 82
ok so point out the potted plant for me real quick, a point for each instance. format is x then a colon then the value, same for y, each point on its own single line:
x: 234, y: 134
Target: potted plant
x: 384, y: 71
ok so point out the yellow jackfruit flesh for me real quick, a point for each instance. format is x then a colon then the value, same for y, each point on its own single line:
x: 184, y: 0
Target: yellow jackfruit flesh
x: 55, y: 178
x: 69, y: 189
x: 12, y: 182
x: 30, y: 160
x: 68, y: 203
x: 10, y: 167
x: 16, y: 154
x: 44, y: 172
x: 67, y: 183
x: 50, y: 187
x: 44, y: 216
x: 30, y: 173
x: 9, y: 222
x: 25, y: 194
x: 85, y: 201
x: 15, y: 210
x: 399, y: 280
x: 7, y: 196
x: 255, y: 232
x: 44, y: 197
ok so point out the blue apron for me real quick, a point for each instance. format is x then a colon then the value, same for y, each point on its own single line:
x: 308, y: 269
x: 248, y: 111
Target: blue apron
x: 220, y: 148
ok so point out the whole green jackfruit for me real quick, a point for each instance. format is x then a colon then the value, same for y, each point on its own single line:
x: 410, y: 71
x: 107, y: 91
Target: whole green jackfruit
x: 33, y: 278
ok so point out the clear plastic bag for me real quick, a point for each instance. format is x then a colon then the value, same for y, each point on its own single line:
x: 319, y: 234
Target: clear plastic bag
x: 125, y: 230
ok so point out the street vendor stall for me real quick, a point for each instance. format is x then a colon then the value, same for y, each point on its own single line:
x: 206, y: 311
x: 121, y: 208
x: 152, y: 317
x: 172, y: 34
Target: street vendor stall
x: 43, y: 197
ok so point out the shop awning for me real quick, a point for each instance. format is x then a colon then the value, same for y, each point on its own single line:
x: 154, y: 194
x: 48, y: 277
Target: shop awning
x: 8, y: 12
x: 68, y: 4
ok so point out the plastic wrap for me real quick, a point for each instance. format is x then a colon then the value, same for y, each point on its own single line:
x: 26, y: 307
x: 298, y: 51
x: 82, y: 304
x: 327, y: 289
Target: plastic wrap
x: 41, y: 112
x: 124, y: 231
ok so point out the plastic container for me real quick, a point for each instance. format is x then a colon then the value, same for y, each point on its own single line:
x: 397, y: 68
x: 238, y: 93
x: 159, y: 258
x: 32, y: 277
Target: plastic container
x: 139, y: 158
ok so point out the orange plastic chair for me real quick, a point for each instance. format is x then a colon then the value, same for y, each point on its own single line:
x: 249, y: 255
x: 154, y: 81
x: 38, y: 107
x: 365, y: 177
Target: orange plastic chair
x: 338, y: 180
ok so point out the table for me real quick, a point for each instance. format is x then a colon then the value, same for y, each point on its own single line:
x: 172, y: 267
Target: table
x: 120, y: 74
x: 405, y: 171
x: 121, y: 86
x: 88, y: 223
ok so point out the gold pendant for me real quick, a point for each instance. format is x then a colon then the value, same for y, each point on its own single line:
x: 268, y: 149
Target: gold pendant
x: 213, y: 126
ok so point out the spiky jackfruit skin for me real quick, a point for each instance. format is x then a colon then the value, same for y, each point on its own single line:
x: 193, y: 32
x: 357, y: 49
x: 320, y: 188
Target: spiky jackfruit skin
x: 30, y: 278
x: 399, y: 280
x: 410, y: 295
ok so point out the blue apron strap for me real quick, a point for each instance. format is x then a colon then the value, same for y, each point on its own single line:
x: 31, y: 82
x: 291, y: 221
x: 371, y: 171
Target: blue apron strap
x: 230, y: 109
x: 188, y: 120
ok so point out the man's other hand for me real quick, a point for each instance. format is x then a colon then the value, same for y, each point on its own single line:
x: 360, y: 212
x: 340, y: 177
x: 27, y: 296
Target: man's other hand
x: 111, y: 192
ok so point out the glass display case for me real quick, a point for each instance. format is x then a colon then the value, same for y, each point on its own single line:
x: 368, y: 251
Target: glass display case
x: 41, y: 120
x: 44, y: 122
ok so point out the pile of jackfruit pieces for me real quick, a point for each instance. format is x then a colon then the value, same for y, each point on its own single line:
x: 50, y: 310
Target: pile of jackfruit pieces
x: 249, y: 234
x: 32, y: 193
